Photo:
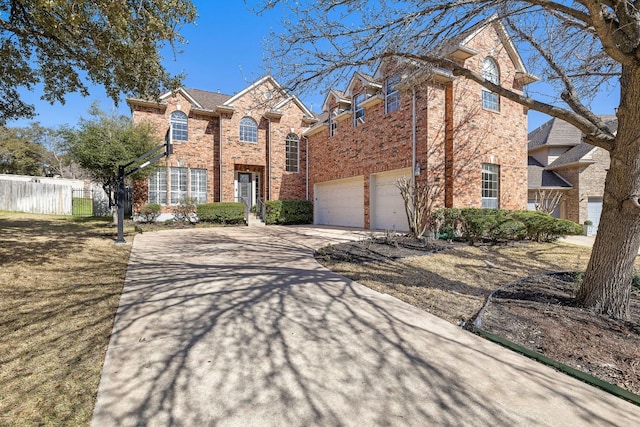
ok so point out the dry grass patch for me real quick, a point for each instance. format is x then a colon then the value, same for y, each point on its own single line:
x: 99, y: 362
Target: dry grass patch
x: 61, y: 280
x: 453, y: 284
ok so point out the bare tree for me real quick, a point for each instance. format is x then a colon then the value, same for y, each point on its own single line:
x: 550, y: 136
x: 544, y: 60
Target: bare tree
x: 579, y: 48
x: 419, y: 200
x: 547, y: 201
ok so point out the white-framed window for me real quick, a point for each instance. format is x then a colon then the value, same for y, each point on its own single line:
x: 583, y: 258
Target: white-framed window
x: 198, y: 185
x: 173, y: 191
x: 490, y: 100
x: 248, y: 130
x: 391, y: 94
x: 358, y: 110
x: 178, y: 185
x: 292, y: 144
x: 333, y: 125
x: 158, y: 187
x: 179, y: 126
x: 490, y: 186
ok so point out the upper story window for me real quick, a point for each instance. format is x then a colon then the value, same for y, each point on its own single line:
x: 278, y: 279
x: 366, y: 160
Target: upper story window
x: 333, y: 125
x: 490, y: 100
x: 248, y: 130
x: 179, y: 127
x: 358, y: 110
x: 292, y: 152
x: 490, y: 186
x: 391, y: 94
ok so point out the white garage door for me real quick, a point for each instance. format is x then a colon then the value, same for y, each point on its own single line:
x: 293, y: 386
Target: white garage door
x: 594, y: 210
x: 387, y: 206
x: 340, y: 202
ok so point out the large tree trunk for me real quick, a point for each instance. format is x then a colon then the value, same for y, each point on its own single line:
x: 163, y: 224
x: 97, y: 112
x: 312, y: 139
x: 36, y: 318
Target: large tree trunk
x: 607, y: 282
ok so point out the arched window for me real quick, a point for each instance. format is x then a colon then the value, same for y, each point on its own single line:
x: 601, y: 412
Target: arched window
x: 292, y: 143
x: 490, y: 100
x: 179, y: 128
x: 248, y: 130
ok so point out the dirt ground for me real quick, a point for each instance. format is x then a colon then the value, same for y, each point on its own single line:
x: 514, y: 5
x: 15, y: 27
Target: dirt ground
x: 533, y: 304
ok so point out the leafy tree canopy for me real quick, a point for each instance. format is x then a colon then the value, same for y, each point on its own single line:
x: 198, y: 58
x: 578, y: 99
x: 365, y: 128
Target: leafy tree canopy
x: 102, y: 142
x: 22, y: 151
x: 64, y: 44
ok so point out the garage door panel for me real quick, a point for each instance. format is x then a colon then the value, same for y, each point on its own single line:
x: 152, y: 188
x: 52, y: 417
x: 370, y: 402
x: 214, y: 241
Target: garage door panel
x: 387, y: 205
x: 594, y: 210
x: 340, y: 202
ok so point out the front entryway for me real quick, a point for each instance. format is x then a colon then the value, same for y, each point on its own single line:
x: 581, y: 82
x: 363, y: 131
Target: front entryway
x: 247, y: 187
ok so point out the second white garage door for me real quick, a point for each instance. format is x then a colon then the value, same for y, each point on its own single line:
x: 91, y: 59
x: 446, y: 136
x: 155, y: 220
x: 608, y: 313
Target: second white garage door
x: 387, y: 205
x: 340, y: 202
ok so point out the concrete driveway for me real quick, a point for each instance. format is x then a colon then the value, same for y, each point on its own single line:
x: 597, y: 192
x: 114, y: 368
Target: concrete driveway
x: 241, y: 327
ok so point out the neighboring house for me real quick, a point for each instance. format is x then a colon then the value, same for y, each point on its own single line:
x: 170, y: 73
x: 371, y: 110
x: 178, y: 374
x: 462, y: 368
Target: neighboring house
x: 227, y: 148
x: 409, y: 119
x: 560, y: 160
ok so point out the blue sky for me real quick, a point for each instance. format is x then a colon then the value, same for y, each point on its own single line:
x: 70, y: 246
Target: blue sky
x: 225, y: 52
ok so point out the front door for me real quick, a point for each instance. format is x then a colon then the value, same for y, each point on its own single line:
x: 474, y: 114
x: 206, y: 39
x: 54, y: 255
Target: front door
x: 245, y: 195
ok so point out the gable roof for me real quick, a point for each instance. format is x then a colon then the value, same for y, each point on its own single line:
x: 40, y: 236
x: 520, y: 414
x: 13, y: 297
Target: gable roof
x: 208, y: 100
x: 365, y: 79
x: 573, y: 156
x: 455, y: 47
x: 539, y: 178
x: 338, y: 95
x: 558, y: 133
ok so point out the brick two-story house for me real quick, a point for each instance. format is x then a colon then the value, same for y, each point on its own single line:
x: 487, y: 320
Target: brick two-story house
x: 227, y: 148
x: 559, y: 160
x: 412, y: 120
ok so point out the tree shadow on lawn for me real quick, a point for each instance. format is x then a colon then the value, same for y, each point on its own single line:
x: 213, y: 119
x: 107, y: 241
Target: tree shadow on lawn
x: 59, y: 298
x: 46, y: 239
x: 216, y: 327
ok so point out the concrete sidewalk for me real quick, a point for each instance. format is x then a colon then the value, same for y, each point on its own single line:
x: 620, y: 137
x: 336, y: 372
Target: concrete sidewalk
x: 582, y: 241
x: 241, y: 327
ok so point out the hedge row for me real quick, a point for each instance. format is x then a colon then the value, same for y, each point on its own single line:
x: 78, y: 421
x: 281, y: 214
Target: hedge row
x: 288, y: 212
x: 221, y: 213
x: 499, y: 225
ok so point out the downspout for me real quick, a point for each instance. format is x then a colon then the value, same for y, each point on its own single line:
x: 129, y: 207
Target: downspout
x: 220, y: 158
x: 448, y: 146
x: 269, y: 157
x: 414, y: 167
x: 306, y: 166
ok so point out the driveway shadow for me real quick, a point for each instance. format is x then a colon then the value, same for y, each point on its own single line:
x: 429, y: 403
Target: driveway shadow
x: 243, y: 327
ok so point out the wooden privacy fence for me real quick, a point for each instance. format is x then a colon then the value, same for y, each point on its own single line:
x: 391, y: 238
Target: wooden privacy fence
x: 56, y: 196
x: 36, y: 197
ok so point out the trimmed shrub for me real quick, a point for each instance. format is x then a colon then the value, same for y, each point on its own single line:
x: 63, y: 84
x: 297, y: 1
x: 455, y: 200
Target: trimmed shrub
x: 288, y: 212
x: 496, y: 225
x: 150, y: 212
x: 544, y: 228
x: 221, y: 213
x: 186, y: 210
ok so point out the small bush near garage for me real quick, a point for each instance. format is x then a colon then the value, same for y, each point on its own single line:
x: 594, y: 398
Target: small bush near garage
x: 221, y: 213
x: 150, y: 212
x: 495, y: 225
x: 288, y: 212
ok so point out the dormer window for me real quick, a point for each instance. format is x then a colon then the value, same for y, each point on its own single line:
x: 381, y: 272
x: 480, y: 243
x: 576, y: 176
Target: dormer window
x: 391, y: 94
x: 248, y: 130
x: 490, y: 100
x: 358, y: 110
x: 179, y: 126
x: 333, y: 124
